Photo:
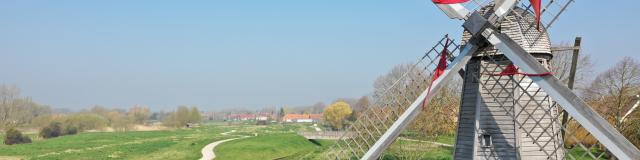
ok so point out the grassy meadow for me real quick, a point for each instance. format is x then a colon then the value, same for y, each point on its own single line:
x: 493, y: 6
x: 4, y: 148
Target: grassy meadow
x: 272, y: 141
x: 270, y: 146
x: 260, y: 142
x: 173, y: 144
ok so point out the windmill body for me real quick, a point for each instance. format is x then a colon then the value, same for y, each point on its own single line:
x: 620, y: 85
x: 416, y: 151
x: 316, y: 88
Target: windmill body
x: 487, y: 128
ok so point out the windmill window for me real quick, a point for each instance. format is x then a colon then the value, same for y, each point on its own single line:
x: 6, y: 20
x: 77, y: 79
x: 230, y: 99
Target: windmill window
x: 543, y: 62
x: 486, y: 140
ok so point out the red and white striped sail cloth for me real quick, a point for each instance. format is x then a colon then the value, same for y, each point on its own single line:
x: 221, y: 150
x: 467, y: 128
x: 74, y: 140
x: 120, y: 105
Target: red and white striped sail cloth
x: 449, y: 1
x: 536, y: 9
x: 454, y: 9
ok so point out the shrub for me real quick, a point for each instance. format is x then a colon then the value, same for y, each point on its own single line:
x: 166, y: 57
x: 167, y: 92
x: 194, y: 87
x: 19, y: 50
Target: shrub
x: 13, y: 136
x: 53, y: 130
x: 70, y: 130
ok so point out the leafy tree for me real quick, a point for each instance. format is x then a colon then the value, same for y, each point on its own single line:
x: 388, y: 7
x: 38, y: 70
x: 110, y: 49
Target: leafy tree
x: 194, y: 115
x: 182, y: 116
x: 13, y: 136
x: 337, y: 113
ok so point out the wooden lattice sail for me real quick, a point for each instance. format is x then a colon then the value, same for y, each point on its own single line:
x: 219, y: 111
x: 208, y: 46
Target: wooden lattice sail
x: 390, y: 104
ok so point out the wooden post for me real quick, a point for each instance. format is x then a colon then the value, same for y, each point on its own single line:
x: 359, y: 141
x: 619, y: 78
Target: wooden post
x: 572, y: 78
x: 574, y: 62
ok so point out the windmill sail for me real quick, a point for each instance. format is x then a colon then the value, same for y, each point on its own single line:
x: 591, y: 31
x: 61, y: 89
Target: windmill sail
x: 391, y: 103
x: 511, y: 105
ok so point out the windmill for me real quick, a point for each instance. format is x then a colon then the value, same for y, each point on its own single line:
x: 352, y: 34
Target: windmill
x: 512, y: 107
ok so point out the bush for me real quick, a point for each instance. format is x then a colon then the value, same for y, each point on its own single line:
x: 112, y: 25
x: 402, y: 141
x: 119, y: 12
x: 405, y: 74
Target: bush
x: 71, y: 130
x: 53, y: 130
x: 13, y: 136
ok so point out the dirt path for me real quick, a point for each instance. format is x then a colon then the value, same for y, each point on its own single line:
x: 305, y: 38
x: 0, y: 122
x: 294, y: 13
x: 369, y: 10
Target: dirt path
x: 207, y: 151
x: 435, y: 143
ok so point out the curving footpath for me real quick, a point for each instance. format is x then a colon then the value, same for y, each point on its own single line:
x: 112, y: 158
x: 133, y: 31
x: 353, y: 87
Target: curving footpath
x: 207, y: 151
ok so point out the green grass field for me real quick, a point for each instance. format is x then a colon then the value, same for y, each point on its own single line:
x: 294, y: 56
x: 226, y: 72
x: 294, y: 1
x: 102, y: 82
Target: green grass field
x: 177, y: 144
x: 270, y: 146
x: 271, y: 142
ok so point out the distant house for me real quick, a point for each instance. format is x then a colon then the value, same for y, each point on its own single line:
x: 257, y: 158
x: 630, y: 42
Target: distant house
x: 302, y: 118
x: 260, y: 116
x: 264, y: 116
x: 240, y: 117
x: 208, y: 116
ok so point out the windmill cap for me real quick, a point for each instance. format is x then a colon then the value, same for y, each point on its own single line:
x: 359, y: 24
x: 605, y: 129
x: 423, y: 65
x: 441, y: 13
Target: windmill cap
x: 520, y: 25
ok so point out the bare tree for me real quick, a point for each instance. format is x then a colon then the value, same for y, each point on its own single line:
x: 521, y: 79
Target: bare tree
x: 439, y: 118
x: 560, y: 64
x: 318, y: 108
x: 139, y: 114
x: 617, y: 86
x: 8, y: 95
x: 613, y: 92
x: 362, y: 104
x: 16, y: 110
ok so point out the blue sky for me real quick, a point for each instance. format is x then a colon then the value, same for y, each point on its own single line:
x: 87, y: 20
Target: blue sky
x: 243, y: 53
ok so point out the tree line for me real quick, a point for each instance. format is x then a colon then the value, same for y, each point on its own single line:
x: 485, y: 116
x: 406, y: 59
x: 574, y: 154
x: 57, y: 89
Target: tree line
x: 18, y: 112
